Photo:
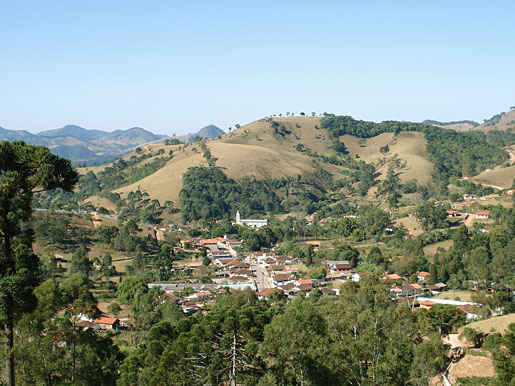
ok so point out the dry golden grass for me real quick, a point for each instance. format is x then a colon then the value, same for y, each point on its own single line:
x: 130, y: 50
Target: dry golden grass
x: 464, y: 296
x: 165, y: 184
x: 504, y: 123
x: 98, y: 202
x: 458, y: 126
x: 252, y: 150
x: 471, y: 366
x: 432, y: 249
x: 412, y: 225
x: 501, y: 178
x: 255, y: 150
x: 409, y: 147
x: 258, y: 161
x: 494, y: 324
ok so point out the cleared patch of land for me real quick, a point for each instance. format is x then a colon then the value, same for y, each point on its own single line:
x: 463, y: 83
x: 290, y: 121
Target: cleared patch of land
x: 165, y: 184
x: 494, y: 324
x: 501, y: 178
x: 98, y: 202
x: 410, y: 148
x: 433, y: 248
x: 412, y: 225
x: 472, y: 366
x: 464, y: 296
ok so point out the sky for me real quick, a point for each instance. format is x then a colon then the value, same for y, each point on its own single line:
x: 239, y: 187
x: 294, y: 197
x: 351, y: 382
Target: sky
x: 176, y: 66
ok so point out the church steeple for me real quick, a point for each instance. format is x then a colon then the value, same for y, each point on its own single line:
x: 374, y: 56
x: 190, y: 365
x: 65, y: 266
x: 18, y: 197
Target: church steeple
x: 237, y: 217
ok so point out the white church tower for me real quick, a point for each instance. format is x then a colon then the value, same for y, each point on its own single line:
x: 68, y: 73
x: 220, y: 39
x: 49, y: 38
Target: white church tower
x: 238, y: 220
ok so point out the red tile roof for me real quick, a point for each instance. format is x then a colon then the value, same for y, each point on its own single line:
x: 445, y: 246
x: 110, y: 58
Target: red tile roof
x: 282, y: 277
x: 266, y: 292
x: 106, y: 320
x: 393, y: 276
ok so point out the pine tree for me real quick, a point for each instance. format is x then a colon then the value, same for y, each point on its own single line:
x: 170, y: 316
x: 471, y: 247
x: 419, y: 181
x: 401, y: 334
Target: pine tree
x: 24, y: 170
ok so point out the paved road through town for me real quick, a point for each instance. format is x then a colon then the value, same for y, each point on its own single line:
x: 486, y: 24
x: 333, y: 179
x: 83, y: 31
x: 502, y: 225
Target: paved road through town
x: 263, y: 280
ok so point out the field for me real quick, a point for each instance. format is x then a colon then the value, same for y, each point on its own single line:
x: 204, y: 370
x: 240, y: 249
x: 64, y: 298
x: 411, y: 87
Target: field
x: 501, y: 178
x: 494, y: 324
x: 252, y: 150
x: 412, y: 225
x: 464, y: 296
x: 432, y: 249
x: 409, y: 147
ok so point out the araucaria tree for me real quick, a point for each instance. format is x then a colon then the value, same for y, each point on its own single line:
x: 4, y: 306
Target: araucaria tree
x: 24, y: 170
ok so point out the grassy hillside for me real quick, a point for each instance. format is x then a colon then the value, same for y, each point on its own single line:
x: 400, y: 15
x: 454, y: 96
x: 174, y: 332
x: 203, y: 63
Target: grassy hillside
x: 333, y: 159
x: 410, y: 147
x: 258, y: 150
x: 253, y: 150
x: 502, y: 121
x: 501, y: 177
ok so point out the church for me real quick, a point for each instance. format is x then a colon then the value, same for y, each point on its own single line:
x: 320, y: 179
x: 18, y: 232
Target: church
x: 251, y: 223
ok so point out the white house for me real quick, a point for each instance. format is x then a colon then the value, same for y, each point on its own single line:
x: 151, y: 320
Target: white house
x: 251, y: 223
x: 356, y: 276
x: 483, y: 214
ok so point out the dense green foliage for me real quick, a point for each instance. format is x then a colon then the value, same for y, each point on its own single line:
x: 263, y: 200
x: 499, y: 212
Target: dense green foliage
x: 453, y: 153
x: 208, y: 193
x: 23, y: 169
x: 317, y: 341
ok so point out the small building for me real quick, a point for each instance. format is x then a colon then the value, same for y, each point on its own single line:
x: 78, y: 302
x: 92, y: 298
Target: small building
x: 469, y: 197
x: 251, y: 223
x: 201, y: 296
x: 356, y: 276
x: 282, y: 278
x: 266, y: 292
x: 422, y: 276
x: 426, y: 304
x: 471, y: 311
x: 483, y: 214
x: 392, y: 277
x: 436, y: 288
x: 283, y: 259
x: 106, y: 323
x: 452, y: 213
x: 509, y: 192
x: 328, y: 291
x: 315, y: 244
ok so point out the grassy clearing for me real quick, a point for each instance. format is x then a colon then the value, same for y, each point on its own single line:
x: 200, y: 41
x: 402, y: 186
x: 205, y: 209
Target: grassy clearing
x: 502, y: 177
x: 409, y: 147
x: 464, y: 296
x: 432, y: 249
x: 494, y: 324
x: 412, y: 225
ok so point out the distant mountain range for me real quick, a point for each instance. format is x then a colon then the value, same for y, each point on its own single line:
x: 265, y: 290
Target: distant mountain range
x: 96, y: 146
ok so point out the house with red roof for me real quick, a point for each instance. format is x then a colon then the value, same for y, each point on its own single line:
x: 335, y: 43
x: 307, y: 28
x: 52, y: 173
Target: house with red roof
x: 106, y: 323
x: 282, y: 278
x: 266, y: 292
x: 423, y: 276
x: 392, y: 277
x: 483, y: 214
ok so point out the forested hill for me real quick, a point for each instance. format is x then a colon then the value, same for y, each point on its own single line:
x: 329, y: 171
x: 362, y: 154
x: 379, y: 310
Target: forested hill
x: 298, y: 165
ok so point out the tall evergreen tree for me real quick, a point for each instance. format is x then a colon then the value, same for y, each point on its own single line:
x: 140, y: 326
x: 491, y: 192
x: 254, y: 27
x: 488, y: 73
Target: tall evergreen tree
x: 24, y: 169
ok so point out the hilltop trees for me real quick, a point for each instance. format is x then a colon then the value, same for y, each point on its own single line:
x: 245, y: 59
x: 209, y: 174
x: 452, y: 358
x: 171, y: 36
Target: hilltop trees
x: 24, y: 169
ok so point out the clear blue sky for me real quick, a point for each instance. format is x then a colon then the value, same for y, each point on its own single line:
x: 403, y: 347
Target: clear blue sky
x: 175, y: 66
